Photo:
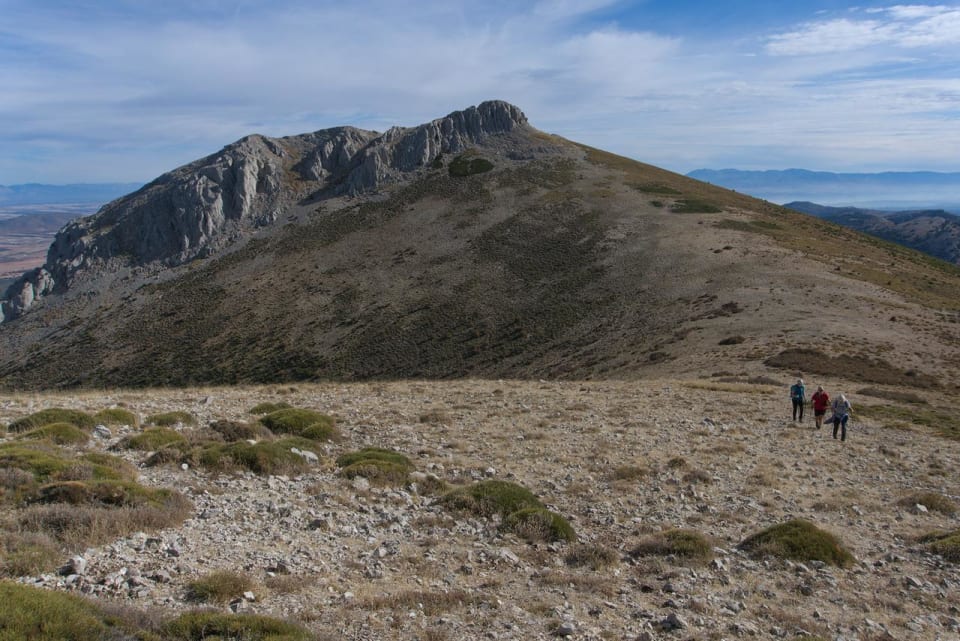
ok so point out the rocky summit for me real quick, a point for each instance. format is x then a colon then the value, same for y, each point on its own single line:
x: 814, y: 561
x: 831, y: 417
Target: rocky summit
x: 471, y: 246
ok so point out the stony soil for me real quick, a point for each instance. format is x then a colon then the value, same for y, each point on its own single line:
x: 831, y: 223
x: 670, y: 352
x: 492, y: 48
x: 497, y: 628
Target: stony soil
x: 359, y: 562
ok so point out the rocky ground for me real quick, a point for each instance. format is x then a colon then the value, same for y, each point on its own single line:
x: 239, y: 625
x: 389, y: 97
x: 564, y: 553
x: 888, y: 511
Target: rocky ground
x: 621, y: 460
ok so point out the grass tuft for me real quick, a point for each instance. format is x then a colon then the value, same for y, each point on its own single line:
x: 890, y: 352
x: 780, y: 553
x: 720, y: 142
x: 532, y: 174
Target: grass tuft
x: 378, y: 472
x: 798, y: 540
x: 116, y: 416
x: 488, y: 498
x: 151, y: 439
x: 52, y: 415
x: 373, y: 453
x: 211, y: 626
x: 301, y: 422
x: 169, y: 419
x: 930, y: 500
x: 269, y: 408
x: 946, y: 544
x: 539, y: 524
x: 688, y: 545
x: 219, y: 587
x: 59, y: 433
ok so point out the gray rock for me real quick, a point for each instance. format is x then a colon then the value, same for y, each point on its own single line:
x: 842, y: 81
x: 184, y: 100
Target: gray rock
x: 76, y: 565
x: 102, y: 431
x: 674, y: 622
x: 566, y: 629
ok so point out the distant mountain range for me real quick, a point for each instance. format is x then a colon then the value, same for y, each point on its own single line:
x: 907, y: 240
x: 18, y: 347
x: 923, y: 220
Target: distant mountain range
x: 892, y: 190
x: 40, y: 194
x: 935, y: 232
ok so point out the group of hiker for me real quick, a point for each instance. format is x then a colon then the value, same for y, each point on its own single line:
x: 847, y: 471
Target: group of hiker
x: 840, y: 408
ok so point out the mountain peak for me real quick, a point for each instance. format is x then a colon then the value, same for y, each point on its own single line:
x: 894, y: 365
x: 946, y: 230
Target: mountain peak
x: 198, y: 209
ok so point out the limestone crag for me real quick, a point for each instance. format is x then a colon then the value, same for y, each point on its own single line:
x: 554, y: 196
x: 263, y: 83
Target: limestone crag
x: 202, y: 207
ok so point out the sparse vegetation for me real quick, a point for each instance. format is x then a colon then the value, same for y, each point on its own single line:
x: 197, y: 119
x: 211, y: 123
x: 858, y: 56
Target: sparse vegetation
x: 265, y: 457
x: 798, y: 540
x: 539, y: 524
x: 931, y: 500
x: 116, y: 416
x: 688, y: 545
x: 210, y: 626
x: 943, y: 423
x: 694, y: 206
x: 53, y: 415
x: 170, y: 419
x: 59, y: 433
x: 219, y: 587
x: 732, y: 340
x: 374, y: 454
x: 462, y: 166
x: 378, y: 471
x: 946, y: 544
x: 269, y: 408
x: 593, y: 556
x: 239, y: 431
x: 301, y: 422
x: 153, y: 438
x: 488, y: 498
x: 856, y: 366
x: 893, y: 395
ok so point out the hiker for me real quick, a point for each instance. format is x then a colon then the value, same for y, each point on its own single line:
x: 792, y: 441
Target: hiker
x: 820, y: 401
x: 796, y: 395
x: 841, y: 413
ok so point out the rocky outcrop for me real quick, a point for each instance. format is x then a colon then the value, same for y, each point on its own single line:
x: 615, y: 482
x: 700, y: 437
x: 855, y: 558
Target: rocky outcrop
x: 202, y: 207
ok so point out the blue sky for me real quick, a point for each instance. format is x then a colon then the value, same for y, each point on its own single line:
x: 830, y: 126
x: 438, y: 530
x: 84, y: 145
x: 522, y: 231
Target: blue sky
x: 123, y: 90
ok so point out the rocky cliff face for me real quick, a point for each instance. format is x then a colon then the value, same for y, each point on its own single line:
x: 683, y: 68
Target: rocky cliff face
x: 199, y: 208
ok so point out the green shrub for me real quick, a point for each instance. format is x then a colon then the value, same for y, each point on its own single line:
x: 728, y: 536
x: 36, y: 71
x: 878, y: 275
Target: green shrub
x: 685, y: 544
x: 108, y: 493
x: 798, y: 540
x: 116, y: 416
x: 219, y: 587
x: 946, y: 544
x: 211, y: 626
x: 169, y: 419
x: 240, y: 431
x: 59, y: 433
x: 49, y: 462
x: 539, y: 524
x: 930, y: 500
x: 373, y: 453
x: 106, y: 467
x: 152, y: 438
x: 461, y: 166
x: 53, y: 415
x: 269, y: 408
x: 487, y: 498
x: 301, y: 422
x: 266, y: 457
x: 378, y: 471
x: 32, y: 614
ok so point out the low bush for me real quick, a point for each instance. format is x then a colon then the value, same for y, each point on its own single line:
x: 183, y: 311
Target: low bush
x: 169, y: 419
x: 732, y: 340
x: 301, y: 422
x: 33, y: 614
x: 539, y: 524
x: 946, y: 544
x: 152, y: 438
x: 240, y: 431
x: 219, y: 587
x: 461, y: 166
x: 265, y: 457
x: 798, y: 540
x: 209, y: 626
x: 854, y: 366
x: 107, y: 493
x: 378, y: 471
x: 116, y: 416
x: 53, y: 415
x: 930, y: 500
x: 269, y: 408
x: 27, y: 553
x: 47, y: 462
x: 595, y: 557
x: 373, y: 453
x: 59, y: 433
x: 688, y: 545
x: 487, y: 498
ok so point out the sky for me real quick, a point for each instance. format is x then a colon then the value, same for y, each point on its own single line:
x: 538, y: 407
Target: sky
x: 125, y: 90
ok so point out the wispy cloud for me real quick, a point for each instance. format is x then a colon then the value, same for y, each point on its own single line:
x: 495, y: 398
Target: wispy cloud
x: 127, y: 90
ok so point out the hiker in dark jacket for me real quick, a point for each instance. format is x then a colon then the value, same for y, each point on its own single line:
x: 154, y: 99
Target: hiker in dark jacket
x: 797, y: 392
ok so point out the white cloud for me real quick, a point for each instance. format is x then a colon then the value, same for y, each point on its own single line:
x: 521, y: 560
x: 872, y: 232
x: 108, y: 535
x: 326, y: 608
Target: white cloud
x: 905, y: 26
